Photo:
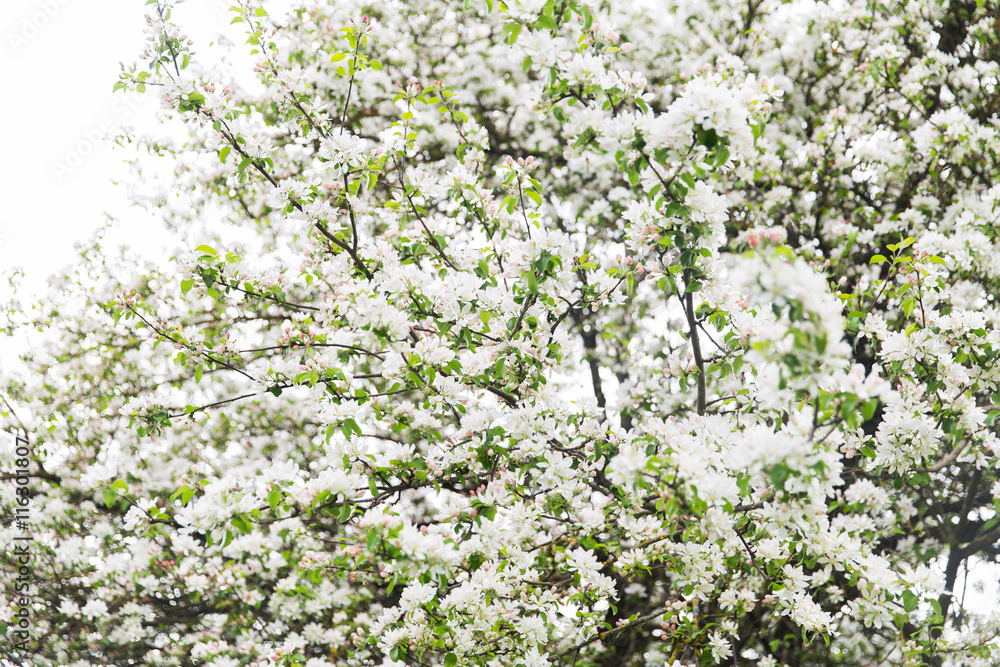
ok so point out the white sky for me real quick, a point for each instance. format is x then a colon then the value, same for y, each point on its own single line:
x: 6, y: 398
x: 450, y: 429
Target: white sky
x: 60, y: 59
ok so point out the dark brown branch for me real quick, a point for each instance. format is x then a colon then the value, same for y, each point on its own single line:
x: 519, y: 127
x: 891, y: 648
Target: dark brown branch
x: 695, y: 343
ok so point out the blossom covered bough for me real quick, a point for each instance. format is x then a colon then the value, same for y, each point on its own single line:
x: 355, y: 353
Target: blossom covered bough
x: 535, y: 333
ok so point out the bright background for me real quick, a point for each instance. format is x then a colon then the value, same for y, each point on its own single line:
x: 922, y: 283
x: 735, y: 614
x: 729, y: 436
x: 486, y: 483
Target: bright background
x: 58, y: 62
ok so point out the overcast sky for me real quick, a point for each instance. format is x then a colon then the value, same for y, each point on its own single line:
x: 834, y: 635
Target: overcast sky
x: 60, y: 59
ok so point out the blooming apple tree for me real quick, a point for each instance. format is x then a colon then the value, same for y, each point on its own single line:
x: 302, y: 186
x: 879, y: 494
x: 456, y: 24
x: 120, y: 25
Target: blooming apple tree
x: 534, y: 333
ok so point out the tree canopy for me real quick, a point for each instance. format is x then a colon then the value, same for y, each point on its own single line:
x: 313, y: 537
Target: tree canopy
x: 564, y: 332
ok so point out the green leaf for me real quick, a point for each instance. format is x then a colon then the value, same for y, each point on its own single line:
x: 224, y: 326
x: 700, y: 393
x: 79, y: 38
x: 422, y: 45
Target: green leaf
x: 450, y: 660
x: 721, y: 156
x: 348, y: 427
x: 274, y: 497
x: 546, y: 23
x: 208, y: 250
x: 532, y: 282
x: 510, y: 32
